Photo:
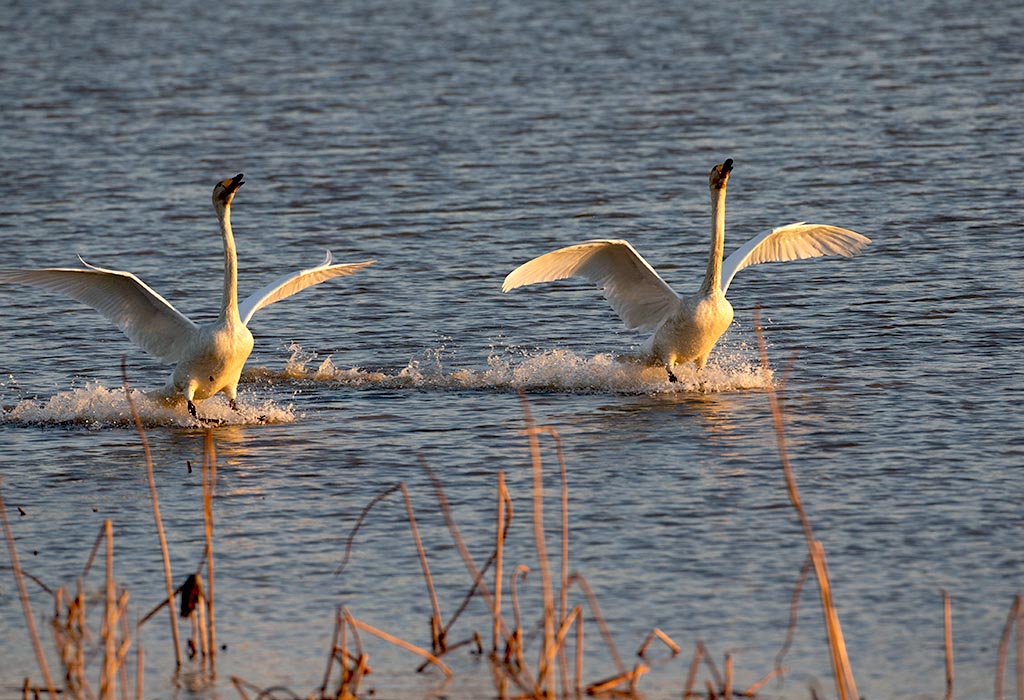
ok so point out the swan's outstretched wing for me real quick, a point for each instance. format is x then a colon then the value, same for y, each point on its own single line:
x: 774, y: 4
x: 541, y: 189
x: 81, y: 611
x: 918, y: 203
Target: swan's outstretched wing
x: 637, y: 293
x: 284, y: 287
x: 792, y: 242
x: 124, y: 300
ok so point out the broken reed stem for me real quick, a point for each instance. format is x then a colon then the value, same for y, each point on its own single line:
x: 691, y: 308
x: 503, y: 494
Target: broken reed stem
x: 545, y: 679
x: 691, y: 675
x: 752, y: 690
x: 499, y: 549
x: 168, y: 580
x: 846, y: 688
x: 1020, y: 649
x: 1004, y: 644
x: 23, y: 594
x: 126, y: 642
x: 631, y: 676
x: 578, y: 684
x: 560, y: 634
x: 139, y: 669
x: 656, y: 633
x: 357, y: 624
x: 359, y: 523
x: 727, y: 688
x: 108, y: 686
x: 479, y: 583
x: 92, y: 553
x: 947, y: 624
x: 338, y: 622
x: 793, y: 611
x: 595, y: 610
x: 209, y: 637
x: 563, y: 593
x: 438, y: 636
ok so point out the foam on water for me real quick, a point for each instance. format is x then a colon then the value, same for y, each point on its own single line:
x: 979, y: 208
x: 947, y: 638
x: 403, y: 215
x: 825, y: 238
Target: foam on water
x: 96, y: 406
x: 542, y: 370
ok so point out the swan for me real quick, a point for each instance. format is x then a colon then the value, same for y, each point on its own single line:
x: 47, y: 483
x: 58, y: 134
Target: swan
x: 208, y: 358
x: 685, y: 328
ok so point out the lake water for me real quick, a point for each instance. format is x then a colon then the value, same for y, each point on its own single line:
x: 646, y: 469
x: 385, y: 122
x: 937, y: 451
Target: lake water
x: 452, y: 141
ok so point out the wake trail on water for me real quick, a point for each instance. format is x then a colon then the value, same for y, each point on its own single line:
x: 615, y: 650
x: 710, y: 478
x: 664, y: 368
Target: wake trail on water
x: 96, y: 406
x: 537, y: 370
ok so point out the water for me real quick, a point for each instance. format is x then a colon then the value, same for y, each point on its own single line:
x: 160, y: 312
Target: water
x: 452, y: 141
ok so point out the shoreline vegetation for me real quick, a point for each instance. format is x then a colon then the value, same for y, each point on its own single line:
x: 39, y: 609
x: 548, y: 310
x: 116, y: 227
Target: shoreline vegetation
x: 535, y: 654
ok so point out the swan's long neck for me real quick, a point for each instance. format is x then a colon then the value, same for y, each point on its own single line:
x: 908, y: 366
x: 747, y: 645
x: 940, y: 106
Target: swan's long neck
x: 229, y: 311
x: 713, y: 276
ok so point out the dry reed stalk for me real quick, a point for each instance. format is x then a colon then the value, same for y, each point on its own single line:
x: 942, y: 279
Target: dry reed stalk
x: 1020, y: 652
x: 578, y: 684
x: 168, y: 580
x: 609, y: 684
x: 460, y: 544
x: 516, y: 637
x: 846, y: 688
x: 93, y: 552
x: 658, y: 634
x: 398, y: 642
x: 1004, y: 643
x: 545, y: 679
x: 595, y: 610
x: 126, y: 643
x: 947, y: 624
x: 338, y: 623
x: 499, y: 549
x: 563, y: 591
x: 139, y: 670
x: 83, y: 636
x: 752, y: 690
x: 712, y: 668
x: 794, y: 601
x: 108, y: 685
x: 559, y: 640
x: 437, y: 635
x: 727, y: 687
x: 200, y: 613
x: 208, y: 475
x: 359, y: 523
x: 23, y: 594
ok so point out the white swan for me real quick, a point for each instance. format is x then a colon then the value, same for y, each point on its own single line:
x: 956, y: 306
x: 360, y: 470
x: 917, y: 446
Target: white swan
x: 686, y: 328
x: 208, y: 358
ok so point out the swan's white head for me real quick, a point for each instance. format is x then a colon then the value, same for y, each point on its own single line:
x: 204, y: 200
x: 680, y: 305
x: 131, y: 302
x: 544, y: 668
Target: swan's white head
x: 224, y: 191
x: 719, y: 176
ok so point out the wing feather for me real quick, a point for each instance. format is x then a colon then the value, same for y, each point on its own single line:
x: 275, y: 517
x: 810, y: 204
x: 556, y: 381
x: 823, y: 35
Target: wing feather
x: 290, y: 284
x: 792, y: 242
x: 638, y: 294
x: 144, y: 316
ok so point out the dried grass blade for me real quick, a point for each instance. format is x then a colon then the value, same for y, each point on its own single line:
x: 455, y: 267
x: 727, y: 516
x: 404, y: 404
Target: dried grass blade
x: 437, y: 634
x: 1004, y: 643
x: 398, y: 642
x: 168, y: 580
x: 23, y: 594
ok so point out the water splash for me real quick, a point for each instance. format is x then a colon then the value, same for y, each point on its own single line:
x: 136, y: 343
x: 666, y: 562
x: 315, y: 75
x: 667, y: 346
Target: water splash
x: 542, y: 370
x: 95, y: 406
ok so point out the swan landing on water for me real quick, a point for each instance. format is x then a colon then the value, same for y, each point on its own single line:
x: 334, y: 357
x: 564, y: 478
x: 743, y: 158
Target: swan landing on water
x: 208, y: 358
x: 686, y: 328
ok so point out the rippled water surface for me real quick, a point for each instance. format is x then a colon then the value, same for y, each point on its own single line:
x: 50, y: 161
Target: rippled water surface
x: 452, y: 141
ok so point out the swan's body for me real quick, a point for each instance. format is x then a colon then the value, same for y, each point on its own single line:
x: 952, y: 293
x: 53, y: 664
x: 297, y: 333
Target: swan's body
x: 208, y: 358
x: 685, y: 328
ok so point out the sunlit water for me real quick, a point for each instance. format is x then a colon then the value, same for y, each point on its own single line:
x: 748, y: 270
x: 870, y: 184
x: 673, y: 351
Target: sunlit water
x: 452, y: 141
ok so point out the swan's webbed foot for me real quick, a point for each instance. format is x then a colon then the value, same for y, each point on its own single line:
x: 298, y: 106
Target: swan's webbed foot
x: 192, y: 409
x: 233, y: 404
x: 671, y: 377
